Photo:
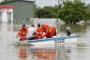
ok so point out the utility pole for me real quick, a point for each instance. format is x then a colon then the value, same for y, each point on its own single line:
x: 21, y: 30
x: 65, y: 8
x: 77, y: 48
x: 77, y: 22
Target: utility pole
x: 60, y: 2
x: 83, y: 1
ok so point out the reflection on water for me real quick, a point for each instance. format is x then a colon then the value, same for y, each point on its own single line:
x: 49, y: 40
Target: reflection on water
x: 22, y: 54
x: 26, y: 53
x: 10, y: 52
x: 44, y: 54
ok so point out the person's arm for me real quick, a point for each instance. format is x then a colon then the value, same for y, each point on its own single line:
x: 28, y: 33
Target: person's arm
x: 18, y: 34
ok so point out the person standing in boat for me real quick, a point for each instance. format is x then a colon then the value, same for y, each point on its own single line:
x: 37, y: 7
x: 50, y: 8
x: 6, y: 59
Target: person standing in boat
x: 22, y: 33
x: 58, y: 25
x: 68, y: 31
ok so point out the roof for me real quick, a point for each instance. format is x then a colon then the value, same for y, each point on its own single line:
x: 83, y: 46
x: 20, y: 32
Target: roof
x: 5, y: 6
x: 5, y: 2
x: 29, y: 0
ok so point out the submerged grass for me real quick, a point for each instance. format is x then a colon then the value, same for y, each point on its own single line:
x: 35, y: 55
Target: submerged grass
x: 75, y: 27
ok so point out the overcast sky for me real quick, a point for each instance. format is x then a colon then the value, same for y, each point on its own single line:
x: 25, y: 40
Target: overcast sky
x: 42, y: 3
x: 50, y: 2
x: 46, y: 2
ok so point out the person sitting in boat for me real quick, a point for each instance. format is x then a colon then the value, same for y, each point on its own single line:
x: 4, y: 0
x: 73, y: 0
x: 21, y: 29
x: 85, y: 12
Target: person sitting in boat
x: 39, y: 33
x: 31, y: 32
x: 22, y: 33
x: 68, y: 31
x: 54, y: 31
x: 49, y: 31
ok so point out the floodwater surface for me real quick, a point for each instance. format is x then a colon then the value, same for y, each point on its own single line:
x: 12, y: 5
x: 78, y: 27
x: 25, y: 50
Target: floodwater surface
x: 10, y: 52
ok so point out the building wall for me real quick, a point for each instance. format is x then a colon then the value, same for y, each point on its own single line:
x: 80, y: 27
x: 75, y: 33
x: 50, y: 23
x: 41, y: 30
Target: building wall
x: 23, y: 9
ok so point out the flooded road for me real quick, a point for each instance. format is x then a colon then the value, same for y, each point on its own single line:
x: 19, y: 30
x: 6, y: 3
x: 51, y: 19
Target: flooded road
x: 10, y: 52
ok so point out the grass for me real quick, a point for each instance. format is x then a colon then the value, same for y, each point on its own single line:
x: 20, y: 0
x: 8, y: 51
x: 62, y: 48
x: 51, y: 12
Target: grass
x: 75, y: 27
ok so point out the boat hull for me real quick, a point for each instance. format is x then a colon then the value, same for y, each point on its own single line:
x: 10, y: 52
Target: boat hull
x: 51, y: 42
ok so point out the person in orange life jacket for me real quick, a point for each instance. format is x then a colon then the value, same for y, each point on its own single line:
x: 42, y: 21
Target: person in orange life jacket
x: 49, y: 31
x: 53, y: 31
x: 45, y: 27
x: 22, y: 33
x: 39, y: 32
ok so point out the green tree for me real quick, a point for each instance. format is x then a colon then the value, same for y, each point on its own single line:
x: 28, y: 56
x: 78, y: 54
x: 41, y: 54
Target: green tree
x: 88, y: 12
x: 46, y: 12
x: 73, y: 12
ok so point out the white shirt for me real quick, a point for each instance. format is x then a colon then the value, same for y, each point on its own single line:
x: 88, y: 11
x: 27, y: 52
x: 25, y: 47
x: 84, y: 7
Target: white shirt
x: 31, y: 30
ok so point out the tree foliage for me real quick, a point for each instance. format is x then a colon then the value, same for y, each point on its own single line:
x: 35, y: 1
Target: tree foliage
x: 46, y: 12
x: 88, y: 11
x: 73, y: 12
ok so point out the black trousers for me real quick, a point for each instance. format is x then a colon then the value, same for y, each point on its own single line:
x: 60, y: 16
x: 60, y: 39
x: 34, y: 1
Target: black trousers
x: 69, y: 33
x: 31, y: 38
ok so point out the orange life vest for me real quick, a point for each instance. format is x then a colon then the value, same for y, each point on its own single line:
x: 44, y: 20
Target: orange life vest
x: 22, y: 34
x: 39, y: 33
x: 54, y: 31
x: 45, y: 27
x: 51, y: 31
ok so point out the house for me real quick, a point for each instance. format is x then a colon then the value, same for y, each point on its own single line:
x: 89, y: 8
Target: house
x: 24, y: 9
